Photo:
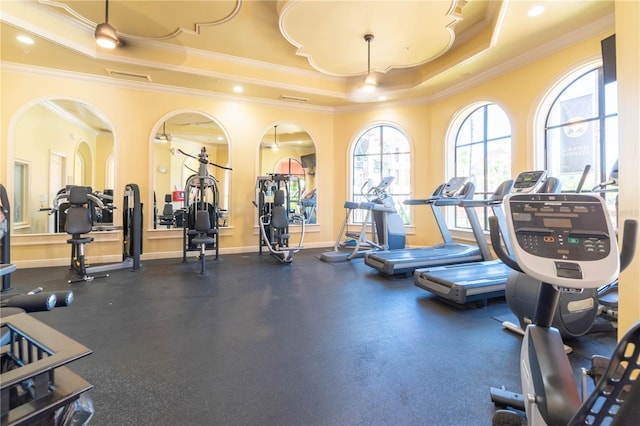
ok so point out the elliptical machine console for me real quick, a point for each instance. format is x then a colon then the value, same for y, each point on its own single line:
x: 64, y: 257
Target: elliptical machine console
x: 563, y: 239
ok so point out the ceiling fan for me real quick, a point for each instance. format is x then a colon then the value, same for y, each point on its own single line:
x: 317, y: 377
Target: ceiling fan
x: 106, y: 36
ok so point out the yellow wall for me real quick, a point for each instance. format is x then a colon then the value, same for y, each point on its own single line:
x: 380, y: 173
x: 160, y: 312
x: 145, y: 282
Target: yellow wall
x: 628, y: 71
x: 134, y: 113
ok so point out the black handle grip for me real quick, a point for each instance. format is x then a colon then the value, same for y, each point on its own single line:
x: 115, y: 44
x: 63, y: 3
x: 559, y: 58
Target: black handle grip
x: 628, y: 250
x: 496, y: 243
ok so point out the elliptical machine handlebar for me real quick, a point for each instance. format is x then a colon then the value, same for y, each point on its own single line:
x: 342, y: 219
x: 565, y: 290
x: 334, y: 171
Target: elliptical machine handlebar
x: 378, y: 191
x: 496, y: 243
x: 628, y: 243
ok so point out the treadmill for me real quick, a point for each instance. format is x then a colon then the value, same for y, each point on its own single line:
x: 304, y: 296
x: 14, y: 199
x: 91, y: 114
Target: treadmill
x: 405, y: 261
x: 480, y: 281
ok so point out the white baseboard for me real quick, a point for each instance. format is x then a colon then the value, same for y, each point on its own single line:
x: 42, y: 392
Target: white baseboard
x: 98, y: 260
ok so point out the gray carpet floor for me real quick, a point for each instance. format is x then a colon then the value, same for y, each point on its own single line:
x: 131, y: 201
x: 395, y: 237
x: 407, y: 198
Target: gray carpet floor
x: 256, y: 342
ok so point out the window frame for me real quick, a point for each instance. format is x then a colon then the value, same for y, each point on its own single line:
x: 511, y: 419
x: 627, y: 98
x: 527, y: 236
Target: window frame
x: 21, y: 189
x: 354, y: 193
x: 453, y: 216
x: 601, y: 118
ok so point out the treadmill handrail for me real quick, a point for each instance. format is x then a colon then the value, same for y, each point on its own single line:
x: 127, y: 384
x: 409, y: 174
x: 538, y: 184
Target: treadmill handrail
x: 419, y: 202
x: 496, y: 198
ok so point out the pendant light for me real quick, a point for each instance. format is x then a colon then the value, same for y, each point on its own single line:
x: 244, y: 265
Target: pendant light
x: 106, y: 36
x: 369, y: 81
x: 274, y: 147
x: 163, y: 137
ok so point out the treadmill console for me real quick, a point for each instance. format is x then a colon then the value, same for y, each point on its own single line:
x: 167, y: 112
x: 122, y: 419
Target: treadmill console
x: 527, y: 182
x: 454, y: 186
x: 563, y: 239
x: 384, y: 184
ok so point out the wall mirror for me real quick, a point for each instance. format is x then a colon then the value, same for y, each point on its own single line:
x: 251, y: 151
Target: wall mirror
x: 176, y: 140
x: 287, y: 148
x: 59, y: 142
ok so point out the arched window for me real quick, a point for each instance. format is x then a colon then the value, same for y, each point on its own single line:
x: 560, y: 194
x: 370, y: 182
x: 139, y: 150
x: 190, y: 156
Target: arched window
x: 482, y: 152
x: 581, y: 129
x: 382, y: 151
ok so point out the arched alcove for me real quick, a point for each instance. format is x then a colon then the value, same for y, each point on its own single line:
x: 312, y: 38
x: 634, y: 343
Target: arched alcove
x: 287, y: 148
x: 55, y: 142
x: 176, y: 139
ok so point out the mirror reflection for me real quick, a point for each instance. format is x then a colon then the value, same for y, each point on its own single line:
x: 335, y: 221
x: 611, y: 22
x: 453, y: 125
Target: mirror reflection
x: 59, y: 142
x: 288, y: 149
x: 179, y: 141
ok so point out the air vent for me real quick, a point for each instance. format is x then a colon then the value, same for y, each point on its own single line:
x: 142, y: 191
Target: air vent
x: 128, y: 75
x: 295, y: 99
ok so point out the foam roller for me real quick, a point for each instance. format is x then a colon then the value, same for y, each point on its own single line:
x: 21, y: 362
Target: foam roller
x: 33, y: 302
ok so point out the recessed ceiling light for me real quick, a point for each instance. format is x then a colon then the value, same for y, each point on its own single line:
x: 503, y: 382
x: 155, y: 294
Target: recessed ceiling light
x: 535, y: 11
x: 25, y: 39
x: 238, y: 89
x: 382, y: 98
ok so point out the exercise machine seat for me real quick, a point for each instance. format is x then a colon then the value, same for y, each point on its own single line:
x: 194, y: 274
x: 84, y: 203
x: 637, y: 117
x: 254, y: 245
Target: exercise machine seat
x: 203, y: 235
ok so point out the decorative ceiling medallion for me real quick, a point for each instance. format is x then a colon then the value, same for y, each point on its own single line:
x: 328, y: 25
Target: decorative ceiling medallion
x: 407, y: 33
x: 155, y: 20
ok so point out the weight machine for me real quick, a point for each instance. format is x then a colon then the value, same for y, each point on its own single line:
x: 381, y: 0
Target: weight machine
x: 132, y: 232
x: 201, y: 210
x: 101, y: 214
x: 274, y: 217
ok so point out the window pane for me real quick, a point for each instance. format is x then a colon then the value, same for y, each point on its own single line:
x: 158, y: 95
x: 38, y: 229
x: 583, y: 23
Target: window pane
x: 498, y: 122
x: 499, y: 163
x: 463, y: 161
x: 472, y: 130
x: 394, y: 141
x: 578, y: 133
x: 577, y: 102
x: 611, y: 98
x: 369, y: 143
x: 483, y: 154
x: 20, y: 186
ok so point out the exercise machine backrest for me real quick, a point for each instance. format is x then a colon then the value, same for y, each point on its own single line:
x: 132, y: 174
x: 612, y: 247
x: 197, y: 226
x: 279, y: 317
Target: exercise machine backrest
x: 167, y: 209
x: 203, y: 221
x: 78, y: 215
x: 279, y: 214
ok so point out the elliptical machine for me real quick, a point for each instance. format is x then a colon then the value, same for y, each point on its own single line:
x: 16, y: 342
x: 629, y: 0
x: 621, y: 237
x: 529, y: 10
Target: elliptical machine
x: 566, y: 241
x: 380, y: 228
x: 578, y: 313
